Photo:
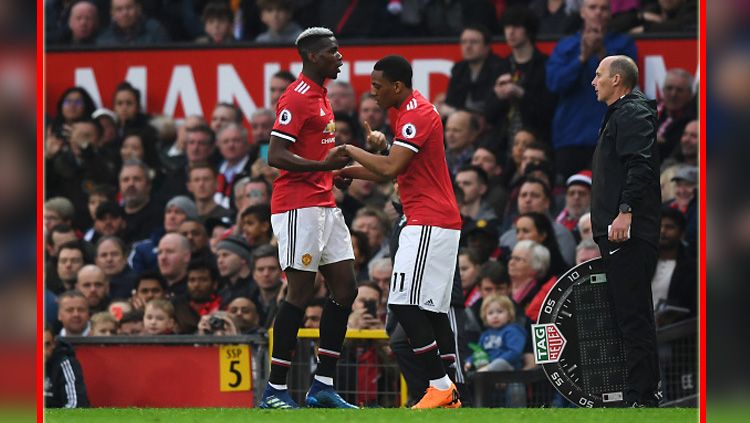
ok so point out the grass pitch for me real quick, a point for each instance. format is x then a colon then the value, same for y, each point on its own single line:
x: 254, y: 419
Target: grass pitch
x: 504, y: 415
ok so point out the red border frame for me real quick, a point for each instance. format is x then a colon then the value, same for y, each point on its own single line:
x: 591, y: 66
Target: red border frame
x: 702, y: 212
x: 39, y: 204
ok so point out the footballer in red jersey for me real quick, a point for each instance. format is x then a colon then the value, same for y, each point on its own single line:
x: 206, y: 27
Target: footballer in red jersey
x: 425, y: 262
x: 310, y: 229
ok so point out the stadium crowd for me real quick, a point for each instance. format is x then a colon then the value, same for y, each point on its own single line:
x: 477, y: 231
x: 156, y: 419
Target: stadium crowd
x: 157, y: 226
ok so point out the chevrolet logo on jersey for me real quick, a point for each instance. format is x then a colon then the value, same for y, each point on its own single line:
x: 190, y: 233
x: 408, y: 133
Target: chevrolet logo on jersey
x: 330, y: 127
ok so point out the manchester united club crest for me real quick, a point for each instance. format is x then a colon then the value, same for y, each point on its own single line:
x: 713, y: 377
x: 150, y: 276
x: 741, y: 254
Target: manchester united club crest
x: 306, y: 259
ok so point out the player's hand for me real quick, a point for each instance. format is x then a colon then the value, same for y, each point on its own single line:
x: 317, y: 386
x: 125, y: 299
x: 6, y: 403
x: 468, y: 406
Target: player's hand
x: 336, y: 158
x: 618, y: 231
x: 375, y: 139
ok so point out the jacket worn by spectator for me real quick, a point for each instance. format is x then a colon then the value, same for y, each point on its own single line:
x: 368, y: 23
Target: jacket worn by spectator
x: 464, y: 92
x: 627, y: 144
x: 578, y: 111
x: 63, y: 382
x: 147, y: 31
x: 506, y: 342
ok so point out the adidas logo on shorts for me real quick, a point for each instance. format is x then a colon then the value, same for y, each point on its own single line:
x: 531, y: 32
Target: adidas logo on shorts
x: 429, y: 302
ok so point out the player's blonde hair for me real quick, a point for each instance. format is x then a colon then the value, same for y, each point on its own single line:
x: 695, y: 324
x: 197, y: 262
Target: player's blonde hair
x: 315, y: 32
x: 503, y: 301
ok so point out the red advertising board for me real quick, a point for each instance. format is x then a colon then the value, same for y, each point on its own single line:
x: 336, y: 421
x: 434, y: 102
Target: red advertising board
x: 178, y: 82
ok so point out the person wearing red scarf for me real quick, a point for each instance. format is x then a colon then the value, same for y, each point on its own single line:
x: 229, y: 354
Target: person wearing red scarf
x: 200, y: 299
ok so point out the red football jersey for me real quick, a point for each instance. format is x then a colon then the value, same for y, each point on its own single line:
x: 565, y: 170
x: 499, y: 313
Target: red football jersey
x: 304, y: 117
x: 425, y: 187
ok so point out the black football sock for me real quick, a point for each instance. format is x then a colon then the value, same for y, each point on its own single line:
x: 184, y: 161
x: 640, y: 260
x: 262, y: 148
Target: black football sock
x: 332, y: 332
x: 288, y: 321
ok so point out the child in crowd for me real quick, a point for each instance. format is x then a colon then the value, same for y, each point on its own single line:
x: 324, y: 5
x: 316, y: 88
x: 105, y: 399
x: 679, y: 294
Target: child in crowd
x: 218, y: 20
x: 503, y: 340
x: 103, y: 324
x: 277, y: 15
x: 256, y: 224
x: 158, y: 318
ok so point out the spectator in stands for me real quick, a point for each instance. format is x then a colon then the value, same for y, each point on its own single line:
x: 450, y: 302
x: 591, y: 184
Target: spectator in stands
x: 58, y: 210
x: 132, y: 323
x: 103, y: 324
x: 73, y: 313
x: 503, y: 340
x: 98, y: 194
x: 267, y: 276
x: 675, y: 281
x: 217, y: 20
x: 584, y: 226
x: 177, y: 210
x: 131, y: 27
x: 521, y: 98
x: 63, y: 377
x: 73, y: 105
x: 111, y: 257
x: 342, y: 98
x: 261, y: 123
x: 149, y: 286
x: 492, y: 279
x: 173, y: 259
x: 139, y: 145
x: 234, y: 258
x: 200, y: 299
x: 109, y: 221
x: 217, y: 230
x: 687, y: 153
x: 538, y: 228
x: 534, y: 196
x: 196, y: 234
x: 277, y: 15
x: 381, y: 271
x: 676, y: 109
x: 468, y: 268
x: 473, y: 77
x: 313, y: 313
x: 528, y: 263
x: 238, y: 157
x: 373, y: 223
x: 577, y: 199
x: 521, y: 140
x: 57, y: 236
x: 347, y: 129
x: 199, y: 151
x: 158, y: 318
x: 685, y: 181
x: 473, y: 182
x: 481, y: 236
x: 554, y: 16
x: 82, y: 25
x: 107, y: 120
x: 586, y: 250
x: 119, y: 308
x: 243, y: 308
x: 94, y: 285
x: 373, y: 114
x: 486, y: 158
x: 461, y: 130
x: 223, y: 114
x: 570, y: 69
x: 368, y: 300
x: 255, y: 224
x: 70, y: 259
x: 127, y: 105
x: 202, y: 183
x: 141, y: 212
x: 174, y: 155
x: 668, y: 16
x: 219, y: 323
x: 279, y: 81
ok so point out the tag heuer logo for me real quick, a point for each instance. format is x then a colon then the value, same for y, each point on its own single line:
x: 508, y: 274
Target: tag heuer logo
x: 306, y: 259
x: 549, y: 343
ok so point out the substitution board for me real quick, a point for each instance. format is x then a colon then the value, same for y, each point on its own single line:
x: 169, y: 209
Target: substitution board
x: 576, y: 339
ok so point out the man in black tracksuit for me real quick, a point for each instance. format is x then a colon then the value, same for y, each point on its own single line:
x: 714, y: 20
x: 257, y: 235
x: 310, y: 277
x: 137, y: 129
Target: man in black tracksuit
x: 63, y: 377
x: 625, y: 217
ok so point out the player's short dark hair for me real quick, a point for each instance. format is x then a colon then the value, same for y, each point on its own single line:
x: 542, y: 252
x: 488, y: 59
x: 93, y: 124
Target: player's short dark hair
x: 486, y: 35
x: 395, y: 68
x: 625, y: 67
x: 481, y: 174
